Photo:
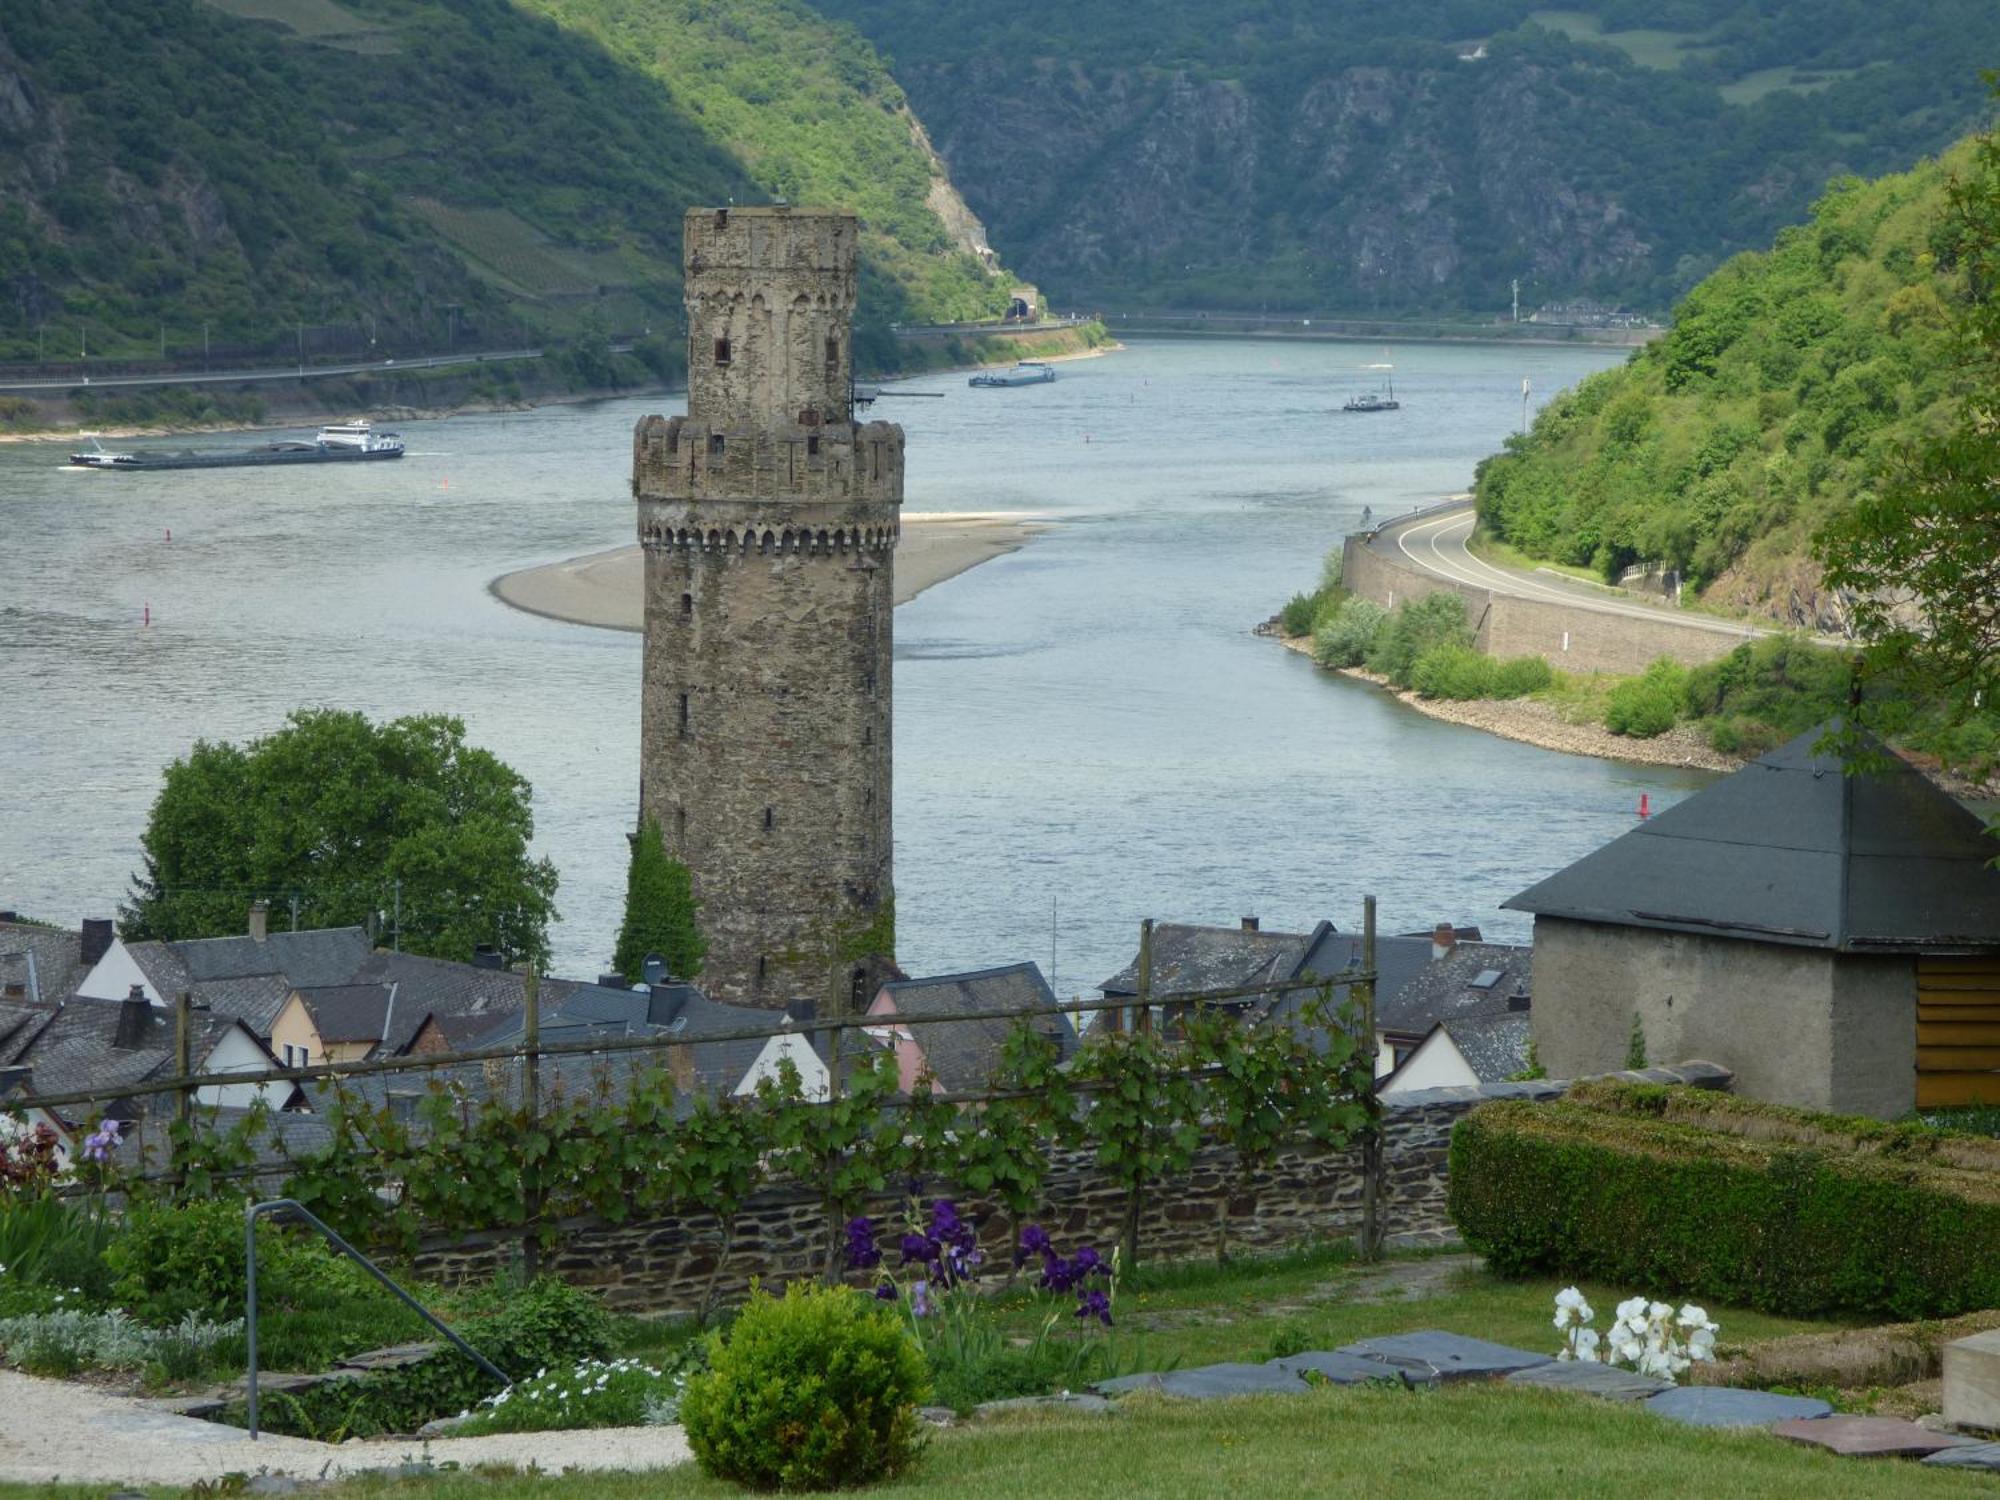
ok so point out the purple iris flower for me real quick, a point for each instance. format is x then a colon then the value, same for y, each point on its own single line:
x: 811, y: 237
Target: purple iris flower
x: 862, y: 1252
x: 886, y: 1292
x: 1094, y: 1304
x: 920, y: 1299
x: 918, y: 1247
x: 1087, y: 1262
x: 1034, y: 1241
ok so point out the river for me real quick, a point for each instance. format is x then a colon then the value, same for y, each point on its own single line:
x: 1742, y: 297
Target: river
x: 1086, y: 731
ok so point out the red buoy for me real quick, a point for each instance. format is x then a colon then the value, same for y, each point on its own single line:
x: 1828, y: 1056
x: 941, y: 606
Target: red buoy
x: 146, y: 614
x: 1645, y: 806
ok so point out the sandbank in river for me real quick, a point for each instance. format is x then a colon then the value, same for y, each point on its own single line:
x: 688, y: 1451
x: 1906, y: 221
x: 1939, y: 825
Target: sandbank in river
x: 605, y: 588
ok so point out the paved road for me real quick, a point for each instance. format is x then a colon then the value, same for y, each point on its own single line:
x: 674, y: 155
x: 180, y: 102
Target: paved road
x: 285, y: 372
x: 1434, y: 541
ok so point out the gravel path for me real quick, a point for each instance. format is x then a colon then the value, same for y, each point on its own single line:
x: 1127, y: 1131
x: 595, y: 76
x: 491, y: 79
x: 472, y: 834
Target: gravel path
x: 52, y: 1430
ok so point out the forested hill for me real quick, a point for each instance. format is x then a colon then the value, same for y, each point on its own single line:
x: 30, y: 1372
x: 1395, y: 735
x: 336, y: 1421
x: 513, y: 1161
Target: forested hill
x: 1355, y: 154
x: 1789, y: 380
x: 319, y: 171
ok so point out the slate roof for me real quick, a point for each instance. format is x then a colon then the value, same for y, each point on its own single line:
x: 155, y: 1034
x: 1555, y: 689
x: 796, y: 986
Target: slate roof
x: 351, y: 1012
x: 964, y: 1056
x: 1790, y: 850
x: 1494, y: 1046
x: 314, y: 956
x: 45, y: 961
x: 1189, y: 958
x: 1448, y: 989
x: 77, y: 1050
x: 253, y: 999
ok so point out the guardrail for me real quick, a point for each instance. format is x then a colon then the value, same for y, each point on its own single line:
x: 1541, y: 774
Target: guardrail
x: 252, y: 1212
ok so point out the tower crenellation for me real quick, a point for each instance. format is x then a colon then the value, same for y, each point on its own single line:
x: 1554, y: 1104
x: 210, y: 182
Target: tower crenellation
x: 769, y: 520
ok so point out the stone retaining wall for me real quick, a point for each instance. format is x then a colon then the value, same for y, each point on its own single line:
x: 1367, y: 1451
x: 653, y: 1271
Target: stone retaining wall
x: 666, y: 1265
x: 1566, y: 636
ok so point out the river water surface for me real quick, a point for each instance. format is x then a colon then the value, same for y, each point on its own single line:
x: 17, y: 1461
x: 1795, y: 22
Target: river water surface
x: 1086, y: 731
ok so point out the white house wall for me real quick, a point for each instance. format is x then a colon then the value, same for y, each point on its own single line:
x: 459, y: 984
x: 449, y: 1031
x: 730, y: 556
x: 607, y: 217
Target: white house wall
x: 812, y: 1072
x: 1436, y: 1064
x: 112, y: 977
x: 238, y: 1053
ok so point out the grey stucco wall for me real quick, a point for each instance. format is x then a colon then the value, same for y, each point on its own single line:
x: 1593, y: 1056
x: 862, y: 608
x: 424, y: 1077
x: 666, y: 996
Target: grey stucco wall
x: 1874, y: 1035
x: 1795, y: 1025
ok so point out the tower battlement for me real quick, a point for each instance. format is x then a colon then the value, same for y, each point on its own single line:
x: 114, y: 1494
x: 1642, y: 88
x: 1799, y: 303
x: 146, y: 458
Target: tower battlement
x: 680, y: 460
x: 769, y: 520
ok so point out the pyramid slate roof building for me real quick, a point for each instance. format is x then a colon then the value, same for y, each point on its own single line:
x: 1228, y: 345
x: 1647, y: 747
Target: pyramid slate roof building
x: 1792, y: 922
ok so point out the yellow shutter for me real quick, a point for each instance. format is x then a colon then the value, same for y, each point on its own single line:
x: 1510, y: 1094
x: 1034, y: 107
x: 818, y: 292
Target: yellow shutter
x: 1958, y: 1031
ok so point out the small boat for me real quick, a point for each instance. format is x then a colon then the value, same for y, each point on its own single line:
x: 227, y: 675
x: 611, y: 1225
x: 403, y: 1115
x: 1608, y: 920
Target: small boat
x: 341, y: 442
x: 1027, y: 372
x: 1381, y: 400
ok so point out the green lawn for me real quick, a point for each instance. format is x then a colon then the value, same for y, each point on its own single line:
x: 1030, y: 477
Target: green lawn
x: 1469, y: 1442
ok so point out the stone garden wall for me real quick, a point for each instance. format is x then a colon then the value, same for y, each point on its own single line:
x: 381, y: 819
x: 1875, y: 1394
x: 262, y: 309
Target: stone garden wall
x: 666, y: 1265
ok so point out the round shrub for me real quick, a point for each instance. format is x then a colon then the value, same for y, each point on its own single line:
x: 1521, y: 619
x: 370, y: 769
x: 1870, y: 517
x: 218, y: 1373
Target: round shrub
x: 814, y: 1390
x: 1645, y: 706
x: 1519, y: 676
x: 1455, y: 672
x: 1345, y: 638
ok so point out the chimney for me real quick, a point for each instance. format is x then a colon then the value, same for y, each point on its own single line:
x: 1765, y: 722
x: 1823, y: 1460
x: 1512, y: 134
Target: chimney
x: 135, y: 1019
x: 1443, y: 940
x: 260, y: 921
x: 653, y: 970
x: 612, y: 982
x: 15, y: 989
x: 1251, y: 924
x: 486, y: 956
x: 97, y: 935
x: 1518, y: 1001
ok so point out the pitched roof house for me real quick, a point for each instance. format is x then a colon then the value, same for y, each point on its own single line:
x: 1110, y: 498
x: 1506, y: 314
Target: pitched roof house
x: 161, y: 970
x: 962, y: 1055
x: 1833, y: 938
x: 41, y: 964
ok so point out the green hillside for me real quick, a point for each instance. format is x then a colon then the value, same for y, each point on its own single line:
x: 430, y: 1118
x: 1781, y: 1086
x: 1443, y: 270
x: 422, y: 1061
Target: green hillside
x: 321, y: 172
x: 1788, y: 379
x: 1350, y: 155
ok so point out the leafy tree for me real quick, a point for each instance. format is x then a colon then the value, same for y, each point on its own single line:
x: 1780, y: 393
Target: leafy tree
x: 351, y: 819
x: 1922, y: 550
x: 659, y: 911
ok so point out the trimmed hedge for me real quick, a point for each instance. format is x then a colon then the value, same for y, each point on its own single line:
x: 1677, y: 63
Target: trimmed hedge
x: 1617, y: 1194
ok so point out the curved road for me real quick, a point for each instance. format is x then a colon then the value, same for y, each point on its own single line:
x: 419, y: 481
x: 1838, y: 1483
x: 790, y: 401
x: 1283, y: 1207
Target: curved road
x: 277, y: 372
x: 1434, y: 541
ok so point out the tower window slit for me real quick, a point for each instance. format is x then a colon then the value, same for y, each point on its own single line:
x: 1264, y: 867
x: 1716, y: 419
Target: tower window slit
x: 684, y: 715
x: 715, y: 445
x: 770, y: 818
x: 687, y: 604
x: 722, y: 351
x: 812, y: 445
x: 832, y: 354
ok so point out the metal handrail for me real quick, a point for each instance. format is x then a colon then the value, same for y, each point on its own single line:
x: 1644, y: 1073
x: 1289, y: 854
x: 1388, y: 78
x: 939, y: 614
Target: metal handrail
x: 251, y: 1213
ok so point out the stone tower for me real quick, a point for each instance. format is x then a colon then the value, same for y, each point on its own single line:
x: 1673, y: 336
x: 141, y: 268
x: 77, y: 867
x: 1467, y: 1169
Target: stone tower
x: 769, y: 520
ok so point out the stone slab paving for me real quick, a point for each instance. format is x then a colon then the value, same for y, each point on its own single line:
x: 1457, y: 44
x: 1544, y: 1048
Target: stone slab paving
x: 1969, y: 1456
x: 1207, y: 1381
x: 1591, y: 1379
x: 1336, y: 1368
x: 1724, y: 1406
x: 1430, y: 1355
x: 1869, y: 1437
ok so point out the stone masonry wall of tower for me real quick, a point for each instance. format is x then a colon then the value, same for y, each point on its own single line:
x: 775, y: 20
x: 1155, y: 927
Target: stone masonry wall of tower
x: 769, y: 520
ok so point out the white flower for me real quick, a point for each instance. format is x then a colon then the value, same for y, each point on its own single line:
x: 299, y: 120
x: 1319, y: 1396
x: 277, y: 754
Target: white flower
x: 1630, y: 1308
x: 1585, y: 1344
